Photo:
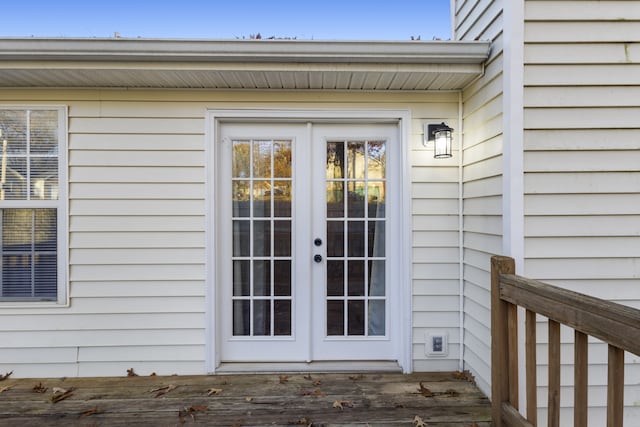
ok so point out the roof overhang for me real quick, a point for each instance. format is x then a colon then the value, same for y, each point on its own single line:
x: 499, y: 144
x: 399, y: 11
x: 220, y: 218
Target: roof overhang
x: 240, y: 64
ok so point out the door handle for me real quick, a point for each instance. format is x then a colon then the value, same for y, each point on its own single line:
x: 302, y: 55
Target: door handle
x: 317, y: 258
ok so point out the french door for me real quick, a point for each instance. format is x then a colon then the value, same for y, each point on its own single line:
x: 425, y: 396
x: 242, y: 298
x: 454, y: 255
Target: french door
x: 306, y: 214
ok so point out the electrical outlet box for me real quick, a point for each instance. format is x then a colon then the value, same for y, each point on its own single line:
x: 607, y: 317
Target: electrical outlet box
x: 436, y: 344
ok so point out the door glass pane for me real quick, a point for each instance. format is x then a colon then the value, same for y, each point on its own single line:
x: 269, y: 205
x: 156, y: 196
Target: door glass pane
x: 335, y: 199
x: 376, y: 317
x: 262, y: 253
x: 335, y: 317
x: 262, y: 317
x: 360, y: 168
x: 356, y: 317
x: 241, y: 278
x: 262, y: 278
x: 282, y: 238
x: 262, y: 159
x: 282, y: 317
x: 335, y: 278
x: 335, y: 238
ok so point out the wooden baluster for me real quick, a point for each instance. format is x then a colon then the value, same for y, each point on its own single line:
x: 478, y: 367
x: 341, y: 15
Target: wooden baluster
x: 581, y: 380
x: 512, y: 316
x: 554, y: 374
x: 615, y: 387
x: 531, y: 365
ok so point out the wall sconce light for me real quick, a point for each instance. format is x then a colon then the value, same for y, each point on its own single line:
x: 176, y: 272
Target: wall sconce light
x: 441, y: 135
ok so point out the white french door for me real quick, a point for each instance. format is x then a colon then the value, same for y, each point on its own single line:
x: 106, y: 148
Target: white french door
x: 306, y: 260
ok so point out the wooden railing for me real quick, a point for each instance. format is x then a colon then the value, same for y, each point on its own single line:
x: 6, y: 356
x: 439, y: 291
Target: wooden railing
x: 615, y: 324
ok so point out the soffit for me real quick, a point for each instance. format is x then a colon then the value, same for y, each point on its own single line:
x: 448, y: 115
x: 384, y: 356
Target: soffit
x: 240, y: 64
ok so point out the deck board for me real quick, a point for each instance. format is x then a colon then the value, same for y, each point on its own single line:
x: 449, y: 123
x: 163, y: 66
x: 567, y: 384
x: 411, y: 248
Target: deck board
x: 248, y: 400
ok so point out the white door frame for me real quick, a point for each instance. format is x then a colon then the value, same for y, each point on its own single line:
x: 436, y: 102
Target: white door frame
x: 212, y: 125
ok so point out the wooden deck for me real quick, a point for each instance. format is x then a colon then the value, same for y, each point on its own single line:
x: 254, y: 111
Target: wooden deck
x: 433, y: 399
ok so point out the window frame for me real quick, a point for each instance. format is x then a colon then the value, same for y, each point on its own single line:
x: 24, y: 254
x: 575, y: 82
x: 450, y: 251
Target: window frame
x: 61, y: 206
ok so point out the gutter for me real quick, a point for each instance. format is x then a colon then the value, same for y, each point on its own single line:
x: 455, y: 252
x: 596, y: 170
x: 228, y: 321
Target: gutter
x: 251, y: 51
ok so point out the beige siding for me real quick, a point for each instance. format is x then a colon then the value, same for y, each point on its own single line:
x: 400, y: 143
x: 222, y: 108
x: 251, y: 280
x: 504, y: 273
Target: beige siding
x: 482, y: 180
x: 582, y: 170
x: 137, y: 231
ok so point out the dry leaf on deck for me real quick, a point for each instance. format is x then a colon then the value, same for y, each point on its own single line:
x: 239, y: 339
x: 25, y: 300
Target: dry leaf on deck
x: 356, y: 377
x: 316, y: 383
x: 60, y: 394
x: 92, y: 411
x: 131, y: 373
x: 341, y: 404
x: 248, y: 399
x: 7, y: 388
x: 161, y: 391
x: 284, y: 379
x: 301, y: 422
x: 317, y: 392
x: 213, y: 391
x: 308, y: 377
x: 464, y: 375
x: 39, y: 388
x: 191, y: 411
x: 419, y: 422
x: 425, y: 391
x: 5, y: 376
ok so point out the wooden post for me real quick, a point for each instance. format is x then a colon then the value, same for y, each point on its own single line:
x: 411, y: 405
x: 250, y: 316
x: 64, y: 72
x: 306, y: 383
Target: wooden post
x: 499, y: 338
x: 615, y: 387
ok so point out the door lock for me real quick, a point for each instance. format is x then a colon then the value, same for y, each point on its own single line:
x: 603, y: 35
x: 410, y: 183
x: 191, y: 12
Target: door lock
x: 317, y: 258
x: 317, y: 241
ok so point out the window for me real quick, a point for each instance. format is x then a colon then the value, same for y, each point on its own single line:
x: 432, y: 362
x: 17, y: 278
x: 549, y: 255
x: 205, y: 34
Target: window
x: 32, y: 184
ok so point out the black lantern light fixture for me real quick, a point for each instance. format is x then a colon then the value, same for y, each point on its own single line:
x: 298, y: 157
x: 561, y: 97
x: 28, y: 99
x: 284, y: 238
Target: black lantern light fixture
x: 441, y: 135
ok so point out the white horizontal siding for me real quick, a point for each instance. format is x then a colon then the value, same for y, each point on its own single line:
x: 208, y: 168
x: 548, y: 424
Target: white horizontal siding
x: 582, y: 173
x: 137, y: 229
x: 482, y: 183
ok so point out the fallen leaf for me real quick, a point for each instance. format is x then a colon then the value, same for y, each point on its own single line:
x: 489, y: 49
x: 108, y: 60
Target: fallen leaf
x: 213, y: 391
x: 39, y: 388
x: 341, y: 404
x: 161, y: 391
x: 131, y: 373
x: 308, y: 377
x: 60, y: 394
x: 92, y: 411
x: 301, y: 422
x: 5, y: 376
x: 284, y: 379
x: 7, y: 388
x: 356, y: 377
x: 464, y: 375
x: 191, y: 411
x: 425, y: 391
x: 419, y: 422
x: 316, y: 383
x: 153, y: 374
x: 317, y: 392
x: 248, y: 398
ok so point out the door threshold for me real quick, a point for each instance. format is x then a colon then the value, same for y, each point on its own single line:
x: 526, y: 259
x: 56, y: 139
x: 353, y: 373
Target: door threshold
x: 294, y: 367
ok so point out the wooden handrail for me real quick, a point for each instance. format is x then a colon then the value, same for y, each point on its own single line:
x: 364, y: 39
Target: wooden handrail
x: 612, y: 323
